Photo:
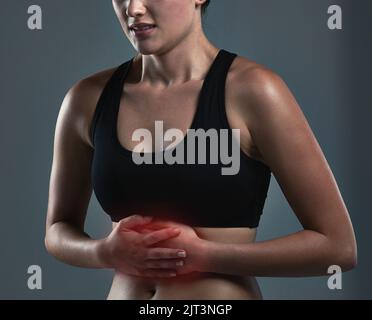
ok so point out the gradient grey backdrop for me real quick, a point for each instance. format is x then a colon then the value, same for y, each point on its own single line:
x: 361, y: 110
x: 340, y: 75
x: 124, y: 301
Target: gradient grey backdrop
x: 329, y: 72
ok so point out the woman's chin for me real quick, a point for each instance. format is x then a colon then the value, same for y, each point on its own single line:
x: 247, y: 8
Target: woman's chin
x: 150, y: 48
x: 146, y: 50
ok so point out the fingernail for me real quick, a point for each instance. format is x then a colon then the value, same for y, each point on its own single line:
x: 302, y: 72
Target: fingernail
x: 182, y: 254
x: 173, y: 274
x: 176, y: 230
x: 179, y: 263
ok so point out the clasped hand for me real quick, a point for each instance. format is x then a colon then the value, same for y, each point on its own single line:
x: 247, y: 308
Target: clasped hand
x: 145, y: 247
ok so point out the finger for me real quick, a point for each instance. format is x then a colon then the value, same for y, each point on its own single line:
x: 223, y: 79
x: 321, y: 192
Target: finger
x: 161, y: 224
x: 134, y: 221
x: 155, y: 273
x: 159, y: 235
x: 164, y: 264
x: 155, y: 226
x: 165, y: 253
x: 145, y: 230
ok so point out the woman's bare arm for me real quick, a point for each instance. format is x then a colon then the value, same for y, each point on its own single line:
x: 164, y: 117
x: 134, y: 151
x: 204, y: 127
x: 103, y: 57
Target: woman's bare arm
x: 70, y: 190
x: 287, y: 144
x: 70, y: 184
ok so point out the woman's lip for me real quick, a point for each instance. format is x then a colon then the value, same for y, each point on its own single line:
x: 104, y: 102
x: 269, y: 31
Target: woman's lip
x: 144, y: 32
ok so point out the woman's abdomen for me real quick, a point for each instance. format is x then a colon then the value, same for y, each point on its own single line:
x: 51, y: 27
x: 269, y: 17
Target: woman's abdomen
x: 196, y: 286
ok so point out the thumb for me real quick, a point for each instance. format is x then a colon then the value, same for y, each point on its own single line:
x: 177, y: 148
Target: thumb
x: 134, y: 221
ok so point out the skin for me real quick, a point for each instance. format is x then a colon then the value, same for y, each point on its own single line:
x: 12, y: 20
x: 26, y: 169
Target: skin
x: 171, y: 65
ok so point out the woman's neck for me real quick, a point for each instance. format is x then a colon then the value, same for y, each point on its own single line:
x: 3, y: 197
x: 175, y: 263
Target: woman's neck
x: 189, y: 60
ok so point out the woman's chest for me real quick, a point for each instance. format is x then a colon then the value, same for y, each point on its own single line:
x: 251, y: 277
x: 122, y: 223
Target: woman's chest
x: 157, y: 111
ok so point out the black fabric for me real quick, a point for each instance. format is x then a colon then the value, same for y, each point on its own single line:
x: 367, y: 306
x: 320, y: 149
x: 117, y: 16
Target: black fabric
x: 195, y: 194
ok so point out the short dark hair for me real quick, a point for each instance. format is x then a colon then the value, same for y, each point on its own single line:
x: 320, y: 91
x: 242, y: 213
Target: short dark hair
x: 204, y: 6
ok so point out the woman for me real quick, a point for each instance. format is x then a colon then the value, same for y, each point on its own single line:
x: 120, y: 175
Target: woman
x: 161, y: 209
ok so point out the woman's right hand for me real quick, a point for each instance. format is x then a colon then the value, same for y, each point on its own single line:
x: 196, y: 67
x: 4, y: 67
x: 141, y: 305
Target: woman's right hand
x: 130, y: 252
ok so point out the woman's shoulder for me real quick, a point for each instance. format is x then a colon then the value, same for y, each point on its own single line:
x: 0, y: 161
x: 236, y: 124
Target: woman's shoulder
x: 246, y: 73
x: 94, y: 82
x: 250, y: 81
x: 81, y: 100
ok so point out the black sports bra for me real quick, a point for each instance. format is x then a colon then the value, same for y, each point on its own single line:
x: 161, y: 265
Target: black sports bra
x: 195, y: 194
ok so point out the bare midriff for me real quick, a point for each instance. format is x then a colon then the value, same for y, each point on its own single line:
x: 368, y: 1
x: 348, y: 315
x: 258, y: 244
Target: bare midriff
x: 195, y: 285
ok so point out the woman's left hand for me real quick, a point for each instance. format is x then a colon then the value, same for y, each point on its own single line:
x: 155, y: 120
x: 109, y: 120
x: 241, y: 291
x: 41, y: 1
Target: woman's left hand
x: 187, y: 240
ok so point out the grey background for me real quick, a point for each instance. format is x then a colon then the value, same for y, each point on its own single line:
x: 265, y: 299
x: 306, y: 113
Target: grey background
x: 328, y: 72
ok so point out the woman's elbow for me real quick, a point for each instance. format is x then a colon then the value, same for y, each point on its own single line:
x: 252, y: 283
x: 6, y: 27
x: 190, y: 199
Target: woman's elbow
x: 47, y: 244
x: 350, y: 260
x: 346, y: 257
x: 49, y: 239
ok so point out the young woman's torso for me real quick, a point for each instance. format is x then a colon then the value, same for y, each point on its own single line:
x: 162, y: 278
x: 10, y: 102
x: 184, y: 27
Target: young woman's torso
x: 199, y: 286
x: 176, y: 109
